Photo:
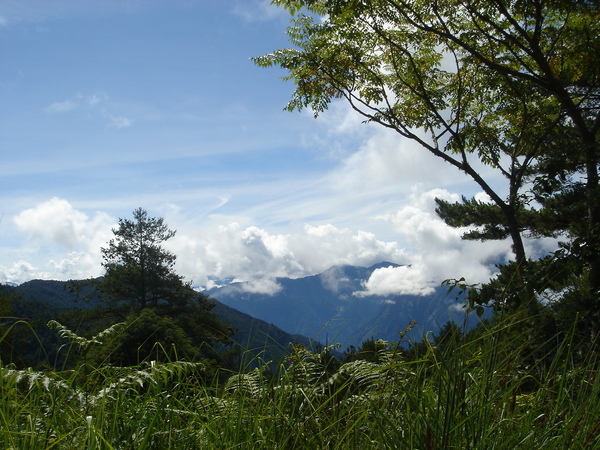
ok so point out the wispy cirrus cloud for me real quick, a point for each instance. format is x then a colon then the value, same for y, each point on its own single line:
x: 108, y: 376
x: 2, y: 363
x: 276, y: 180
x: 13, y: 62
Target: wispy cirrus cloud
x: 97, y: 102
x: 77, y: 101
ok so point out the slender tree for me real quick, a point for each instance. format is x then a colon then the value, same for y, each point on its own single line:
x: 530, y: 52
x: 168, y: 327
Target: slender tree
x: 139, y: 271
x: 164, y: 316
x: 473, y: 82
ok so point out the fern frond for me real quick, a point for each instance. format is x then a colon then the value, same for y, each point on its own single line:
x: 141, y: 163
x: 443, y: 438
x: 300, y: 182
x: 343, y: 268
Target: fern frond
x: 81, y: 341
x: 363, y: 374
x: 138, y: 379
x: 31, y: 380
x: 249, y: 384
x: 71, y: 336
x: 107, y: 332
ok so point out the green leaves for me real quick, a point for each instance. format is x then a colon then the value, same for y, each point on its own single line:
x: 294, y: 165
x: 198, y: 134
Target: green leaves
x: 514, y: 86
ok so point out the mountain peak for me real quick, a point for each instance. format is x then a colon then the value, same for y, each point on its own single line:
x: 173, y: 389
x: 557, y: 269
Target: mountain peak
x: 382, y: 265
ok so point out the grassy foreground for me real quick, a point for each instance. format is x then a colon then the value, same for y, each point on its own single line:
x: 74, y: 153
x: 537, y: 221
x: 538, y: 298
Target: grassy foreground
x: 487, y: 392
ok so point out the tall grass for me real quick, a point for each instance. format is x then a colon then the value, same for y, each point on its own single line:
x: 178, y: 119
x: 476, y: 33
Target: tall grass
x: 491, y: 391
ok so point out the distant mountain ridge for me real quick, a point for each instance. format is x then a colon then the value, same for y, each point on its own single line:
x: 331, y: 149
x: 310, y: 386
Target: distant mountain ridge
x: 319, y: 307
x: 323, y: 307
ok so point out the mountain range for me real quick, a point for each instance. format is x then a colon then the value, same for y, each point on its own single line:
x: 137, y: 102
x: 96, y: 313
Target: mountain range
x: 321, y: 308
x: 325, y: 307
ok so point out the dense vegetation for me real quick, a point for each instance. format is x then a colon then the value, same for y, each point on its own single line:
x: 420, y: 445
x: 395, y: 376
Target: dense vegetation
x: 493, y: 388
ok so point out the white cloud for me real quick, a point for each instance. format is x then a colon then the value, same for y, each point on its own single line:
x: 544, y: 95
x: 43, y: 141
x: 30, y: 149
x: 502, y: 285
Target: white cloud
x: 77, y: 265
x: 93, y: 99
x: 56, y: 222
x: 397, y: 280
x: 389, y: 162
x: 378, y: 162
x: 341, y: 131
x: 53, y: 227
x: 420, y: 224
x: 90, y: 104
x: 61, y: 107
x: 19, y: 271
x: 222, y: 248
x: 266, y: 286
x: 77, y: 101
x: 483, y: 197
x: 333, y: 279
x: 259, y: 10
x: 253, y: 254
x: 437, y: 250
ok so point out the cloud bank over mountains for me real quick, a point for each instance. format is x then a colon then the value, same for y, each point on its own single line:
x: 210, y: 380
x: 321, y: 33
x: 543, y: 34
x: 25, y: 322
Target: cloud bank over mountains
x: 431, y: 252
x: 375, y: 202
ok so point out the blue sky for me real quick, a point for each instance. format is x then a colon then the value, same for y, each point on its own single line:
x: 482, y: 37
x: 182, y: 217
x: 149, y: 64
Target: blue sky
x: 106, y: 106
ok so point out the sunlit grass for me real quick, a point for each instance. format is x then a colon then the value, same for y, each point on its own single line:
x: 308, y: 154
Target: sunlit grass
x: 482, y: 393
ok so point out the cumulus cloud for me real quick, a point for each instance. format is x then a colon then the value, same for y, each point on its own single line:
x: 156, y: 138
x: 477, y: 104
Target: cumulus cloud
x: 56, y: 222
x: 392, y: 163
x: 430, y: 252
x: 397, y: 280
x: 72, y: 266
x: 253, y: 254
x: 20, y: 271
x: 378, y: 162
x: 76, y: 265
x: 437, y: 251
x: 266, y: 286
x: 379, y: 168
x: 54, y: 227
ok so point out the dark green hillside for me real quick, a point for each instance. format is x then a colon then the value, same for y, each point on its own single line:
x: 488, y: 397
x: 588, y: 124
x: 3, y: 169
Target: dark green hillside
x: 23, y: 305
x: 41, y: 300
x: 258, y: 337
x: 23, y: 327
x: 54, y: 294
